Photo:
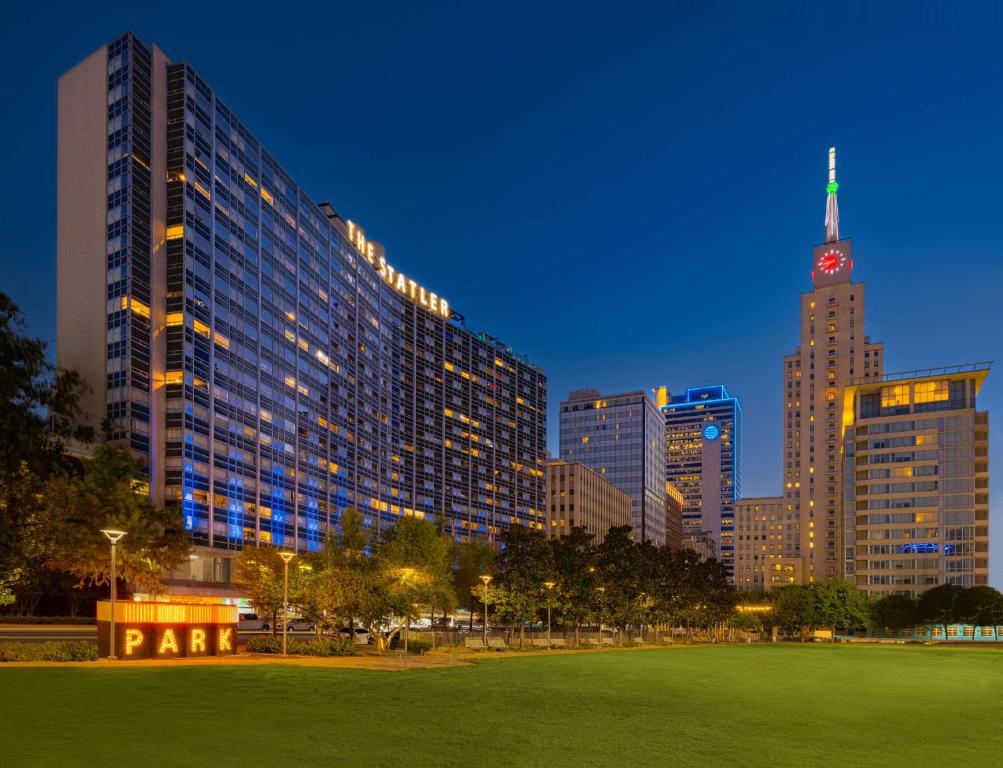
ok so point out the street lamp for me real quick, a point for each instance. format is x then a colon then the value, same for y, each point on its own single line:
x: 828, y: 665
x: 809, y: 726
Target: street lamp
x: 486, y: 578
x: 286, y: 557
x: 602, y: 593
x: 113, y: 536
x: 550, y: 593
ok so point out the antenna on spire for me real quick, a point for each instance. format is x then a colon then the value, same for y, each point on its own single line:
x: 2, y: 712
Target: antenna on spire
x: 831, y: 207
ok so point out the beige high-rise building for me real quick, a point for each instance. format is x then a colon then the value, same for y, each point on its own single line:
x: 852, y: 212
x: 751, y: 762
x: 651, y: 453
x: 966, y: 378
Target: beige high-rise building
x: 833, y: 351
x: 762, y: 535
x: 578, y: 496
x: 916, y: 455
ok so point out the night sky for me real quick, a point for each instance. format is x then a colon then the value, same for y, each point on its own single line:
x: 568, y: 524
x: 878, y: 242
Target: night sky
x: 627, y: 196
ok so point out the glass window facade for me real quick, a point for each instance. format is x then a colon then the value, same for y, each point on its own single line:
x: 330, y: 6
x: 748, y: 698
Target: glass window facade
x: 296, y: 380
x: 621, y: 438
x: 703, y: 460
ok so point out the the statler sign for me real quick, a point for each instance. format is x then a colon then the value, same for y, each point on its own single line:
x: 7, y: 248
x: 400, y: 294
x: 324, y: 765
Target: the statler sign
x: 167, y: 630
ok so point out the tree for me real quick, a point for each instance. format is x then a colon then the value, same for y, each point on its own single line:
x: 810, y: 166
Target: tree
x: 938, y: 605
x: 470, y: 559
x: 623, y: 573
x: 892, y: 613
x: 982, y: 606
x: 576, y: 599
x: 835, y: 604
x: 524, y: 563
x: 792, y: 609
x: 416, y: 566
x: 106, y: 495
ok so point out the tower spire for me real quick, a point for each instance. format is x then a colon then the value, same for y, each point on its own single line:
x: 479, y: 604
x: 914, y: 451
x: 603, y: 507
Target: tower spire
x: 831, y: 206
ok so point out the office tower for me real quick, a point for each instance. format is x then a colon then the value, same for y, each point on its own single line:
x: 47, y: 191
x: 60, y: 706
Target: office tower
x: 258, y: 350
x: 578, y: 496
x: 916, y: 458
x: 703, y: 460
x: 622, y: 438
x: 673, y: 517
x: 762, y: 536
x: 833, y: 351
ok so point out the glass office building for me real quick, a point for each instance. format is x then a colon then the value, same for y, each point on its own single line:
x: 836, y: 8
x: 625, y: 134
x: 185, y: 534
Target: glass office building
x: 261, y: 354
x: 703, y: 460
x: 622, y: 438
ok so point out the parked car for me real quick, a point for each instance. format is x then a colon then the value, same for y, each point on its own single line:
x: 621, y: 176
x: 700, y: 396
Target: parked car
x: 251, y: 622
x: 361, y: 634
x: 299, y: 624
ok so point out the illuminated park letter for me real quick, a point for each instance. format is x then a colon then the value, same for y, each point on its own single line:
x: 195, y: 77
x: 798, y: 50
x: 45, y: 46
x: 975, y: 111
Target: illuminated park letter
x: 168, y: 642
x: 196, y: 641
x: 133, y: 639
x: 223, y: 640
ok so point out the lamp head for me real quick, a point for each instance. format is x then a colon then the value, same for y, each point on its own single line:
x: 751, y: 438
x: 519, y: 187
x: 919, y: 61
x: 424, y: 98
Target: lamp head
x: 287, y: 556
x: 550, y: 584
x: 112, y: 534
x: 486, y: 578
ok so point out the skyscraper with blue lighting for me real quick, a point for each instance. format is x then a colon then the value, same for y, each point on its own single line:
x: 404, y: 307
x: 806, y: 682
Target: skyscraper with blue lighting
x: 703, y: 450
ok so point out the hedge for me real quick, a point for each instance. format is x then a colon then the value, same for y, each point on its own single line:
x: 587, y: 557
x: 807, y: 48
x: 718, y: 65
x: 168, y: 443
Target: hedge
x: 50, y: 650
x: 319, y: 646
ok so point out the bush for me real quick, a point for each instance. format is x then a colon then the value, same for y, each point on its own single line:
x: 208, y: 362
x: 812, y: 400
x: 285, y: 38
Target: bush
x: 327, y: 646
x: 5, y: 619
x: 419, y: 646
x: 265, y: 644
x: 52, y: 650
x: 318, y: 646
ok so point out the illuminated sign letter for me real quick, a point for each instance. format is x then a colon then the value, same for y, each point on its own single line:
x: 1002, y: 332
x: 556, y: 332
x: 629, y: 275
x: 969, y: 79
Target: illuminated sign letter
x: 168, y: 643
x: 133, y: 639
x: 444, y: 308
x: 196, y: 641
x: 224, y: 642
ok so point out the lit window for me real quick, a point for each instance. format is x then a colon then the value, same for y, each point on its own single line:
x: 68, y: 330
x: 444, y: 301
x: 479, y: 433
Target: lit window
x: 931, y: 391
x: 897, y: 394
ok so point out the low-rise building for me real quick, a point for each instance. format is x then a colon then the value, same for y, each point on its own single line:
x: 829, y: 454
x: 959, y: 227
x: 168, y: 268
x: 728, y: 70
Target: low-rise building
x: 761, y: 534
x: 578, y: 496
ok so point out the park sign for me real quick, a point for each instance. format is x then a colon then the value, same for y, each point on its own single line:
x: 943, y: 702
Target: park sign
x: 167, y: 630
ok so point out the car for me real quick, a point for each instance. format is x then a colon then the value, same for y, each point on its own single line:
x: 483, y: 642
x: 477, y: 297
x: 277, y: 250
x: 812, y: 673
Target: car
x: 251, y: 622
x: 299, y: 624
x: 361, y: 634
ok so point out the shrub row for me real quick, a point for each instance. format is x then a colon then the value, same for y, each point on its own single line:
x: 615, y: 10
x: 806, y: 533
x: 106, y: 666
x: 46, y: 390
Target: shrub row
x: 5, y: 619
x: 318, y: 646
x: 51, y: 650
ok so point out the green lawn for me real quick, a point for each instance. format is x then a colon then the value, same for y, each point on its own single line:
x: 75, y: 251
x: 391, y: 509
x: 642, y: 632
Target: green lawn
x: 740, y: 705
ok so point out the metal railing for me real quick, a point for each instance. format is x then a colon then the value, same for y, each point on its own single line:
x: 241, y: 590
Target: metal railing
x: 924, y: 372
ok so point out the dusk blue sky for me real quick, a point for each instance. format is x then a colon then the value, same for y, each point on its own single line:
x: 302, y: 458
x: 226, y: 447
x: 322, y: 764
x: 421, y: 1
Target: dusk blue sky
x: 629, y: 196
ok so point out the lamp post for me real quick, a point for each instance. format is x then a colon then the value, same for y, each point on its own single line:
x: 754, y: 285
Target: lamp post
x: 113, y: 536
x: 486, y: 578
x: 602, y: 594
x: 286, y: 557
x: 550, y: 594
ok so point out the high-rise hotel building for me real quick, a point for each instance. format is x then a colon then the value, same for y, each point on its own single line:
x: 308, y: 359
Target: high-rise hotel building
x: 833, y: 352
x: 916, y: 459
x: 622, y: 438
x: 703, y: 460
x: 256, y: 349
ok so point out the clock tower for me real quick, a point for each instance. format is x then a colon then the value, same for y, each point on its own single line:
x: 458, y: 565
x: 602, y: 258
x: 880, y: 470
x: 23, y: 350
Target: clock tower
x: 833, y: 352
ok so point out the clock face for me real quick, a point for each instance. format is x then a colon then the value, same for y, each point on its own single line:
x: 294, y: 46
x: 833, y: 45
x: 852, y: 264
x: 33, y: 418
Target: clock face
x: 830, y: 262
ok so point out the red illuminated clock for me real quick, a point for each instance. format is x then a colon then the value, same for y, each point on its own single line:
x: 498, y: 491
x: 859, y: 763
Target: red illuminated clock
x: 830, y: 262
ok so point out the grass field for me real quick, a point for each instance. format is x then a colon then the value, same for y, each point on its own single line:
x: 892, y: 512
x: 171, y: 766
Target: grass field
x: 699, y: 706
